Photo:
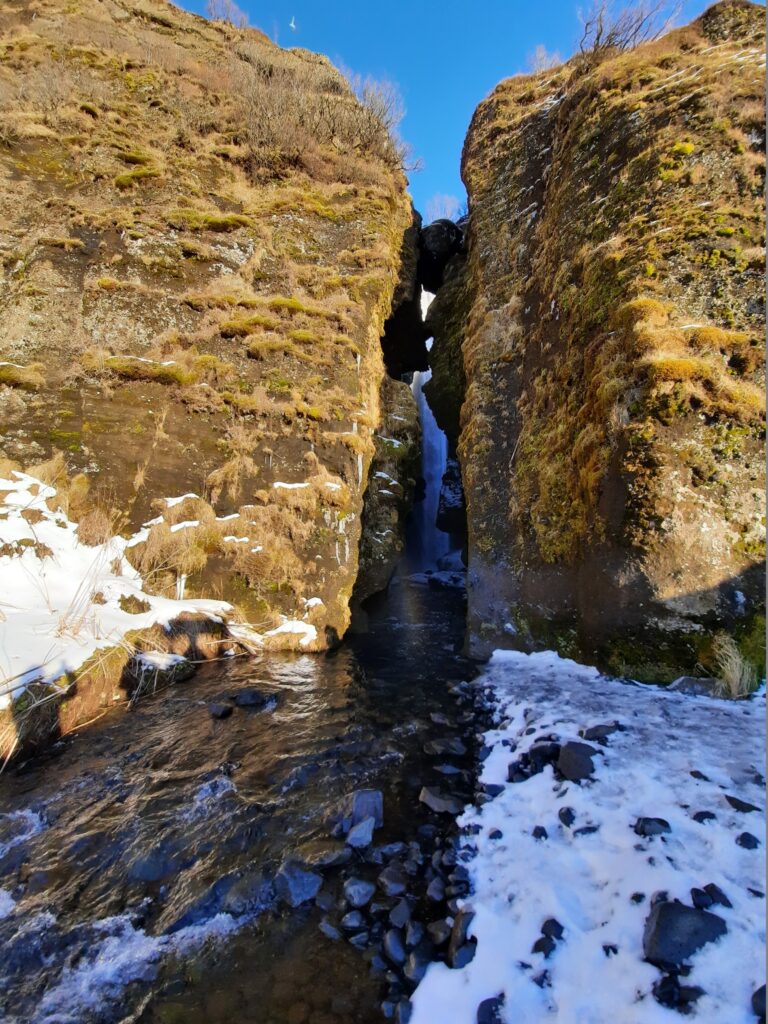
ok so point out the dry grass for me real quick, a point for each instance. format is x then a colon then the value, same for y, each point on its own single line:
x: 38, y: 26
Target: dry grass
x: 28, y: 378
x: 736, y: 676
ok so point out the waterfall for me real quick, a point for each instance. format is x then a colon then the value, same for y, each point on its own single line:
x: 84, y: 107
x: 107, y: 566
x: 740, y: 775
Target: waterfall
x: 426, y: 545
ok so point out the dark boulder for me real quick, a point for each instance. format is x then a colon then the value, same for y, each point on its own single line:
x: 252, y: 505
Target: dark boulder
x: 575, y: 761
x: 250, y: 697
x: 748, y: 841
x: 220, y: 709
x: 490, y: 1010
x: 758, y: 1002
x: 674, y: 932
x: 355, y: 808
x: 438, y: 242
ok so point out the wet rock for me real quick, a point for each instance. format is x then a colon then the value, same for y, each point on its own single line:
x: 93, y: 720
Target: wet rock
x: 400, y: 914
x: 674, y: 932
x: 717, y: 895
x: 758, y: 1002
x: 220, y: 709
x: 438, y: 242
x: 741, y: 805
x: 295, y: 886
x: 575, y: 761
x: 748, y: 841
x: 567, y: 816
x: 651, y: 826
x: 439, y: 802
x: 490, y: 1010
x: 353, y: 921
x: 361, y: 835
x: 357, y: 892
x: 355, y: 808
x: 451, y: 746
x: 439, y: 931
x: 403, y: 1012
x: 394, y: 947
x: 436, y: 890
x: 393, y: 881
x: 329, y: 930
x: 322, y: 853
x: 703, y: 816
x: 250, y: 697
x: 600, y: 733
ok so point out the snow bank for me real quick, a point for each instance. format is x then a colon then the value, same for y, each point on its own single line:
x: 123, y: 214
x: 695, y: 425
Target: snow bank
x: 587, y: 881
x: 60, y: 599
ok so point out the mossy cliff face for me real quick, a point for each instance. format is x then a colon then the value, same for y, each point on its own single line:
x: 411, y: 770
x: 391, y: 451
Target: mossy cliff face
x: 612, y: 426
x: 195, y: 270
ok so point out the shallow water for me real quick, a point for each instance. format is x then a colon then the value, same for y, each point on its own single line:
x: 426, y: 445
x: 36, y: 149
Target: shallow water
x: 135, y: 866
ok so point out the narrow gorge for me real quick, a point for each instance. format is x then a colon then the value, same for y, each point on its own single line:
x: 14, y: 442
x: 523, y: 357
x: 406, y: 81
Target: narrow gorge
x: 382, y: 631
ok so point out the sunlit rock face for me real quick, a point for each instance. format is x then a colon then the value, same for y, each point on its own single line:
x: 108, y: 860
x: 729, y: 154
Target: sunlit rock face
x: 612, y: 413
x: 190, y: 306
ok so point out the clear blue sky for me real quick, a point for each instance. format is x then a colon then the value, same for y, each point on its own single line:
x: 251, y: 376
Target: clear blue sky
x: 445, y: 56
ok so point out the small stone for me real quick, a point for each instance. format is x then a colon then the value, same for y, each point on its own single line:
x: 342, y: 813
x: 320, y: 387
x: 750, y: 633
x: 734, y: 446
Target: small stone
x: 610, y: 949
x: 250, y: 697
x: 416, y: 966
x: 495, y: 834
x: 567, y: 816
x: 542, y: 754
x: 637, y: 897
x: 490, y: 1010
x: 552, y: 928
x: 359, y: 940
x: 600, y: 733
x: 464, y: 955
x: 540, y: 832
x: 219, y: 709
x: 436, y: 890
x: 451, y: 746
x: 700, y: 899
x: 748, y: 841
x: 393, y: 881
x: 403, y: 1011
x: 651, y: 826
x: 439, y: 802
x: 544, y: 944
x: 717, y: 895
x: 575, y: 761
x: 542, y: 979
x: 400, y: 914
x: 741, y: 805
x: 460, y: 951
x: 361, y: 835
x: 696, y: 774
x: 587, y: 830
x: 674, y: 932
x: 295, y: 886
x: 328, y: 929
x: 357, y: 892
x: 439, y: 718
x: 394, y: 947
x: 439, y: 931
x: 414, y: 934
x: 702, y: 816
x: 758, y: 1002
x: 355, y: 808
x: 353, y: 921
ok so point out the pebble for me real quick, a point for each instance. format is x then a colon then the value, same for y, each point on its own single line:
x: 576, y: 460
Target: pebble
x: 567, y: 816
x: 394, y: 947
x: 748, y: 841
x: 361, y: 835
x: 674, y: 932
x: 651, y: 826
x: 400, y: 914
x: 741, y: 805
x: 357, y: 892
x: 575, y: 761
x: 393, y: 881
x: 440, y: 802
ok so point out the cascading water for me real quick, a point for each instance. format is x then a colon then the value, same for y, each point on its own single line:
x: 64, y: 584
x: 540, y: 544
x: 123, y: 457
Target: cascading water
x: 426, y: 544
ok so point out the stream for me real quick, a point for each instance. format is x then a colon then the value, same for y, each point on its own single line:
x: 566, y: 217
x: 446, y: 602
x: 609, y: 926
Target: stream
x: 137, y: 858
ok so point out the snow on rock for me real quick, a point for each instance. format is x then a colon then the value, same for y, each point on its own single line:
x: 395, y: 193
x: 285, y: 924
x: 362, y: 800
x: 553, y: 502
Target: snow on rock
x: 61, y: 599
x: 307, y: 631
x: 581, y: 854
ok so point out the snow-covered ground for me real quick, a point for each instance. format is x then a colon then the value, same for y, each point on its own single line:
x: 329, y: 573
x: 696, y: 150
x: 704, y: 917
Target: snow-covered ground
x: 599, y: 884
x: 60, y: 599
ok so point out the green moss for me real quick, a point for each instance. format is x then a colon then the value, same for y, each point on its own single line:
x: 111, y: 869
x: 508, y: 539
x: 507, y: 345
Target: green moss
x: 195, y: 220
x: 138, y: 174
x: 28, y: 378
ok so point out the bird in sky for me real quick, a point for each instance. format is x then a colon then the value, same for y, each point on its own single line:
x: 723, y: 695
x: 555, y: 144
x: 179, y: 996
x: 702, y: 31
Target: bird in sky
x: 292, y: 24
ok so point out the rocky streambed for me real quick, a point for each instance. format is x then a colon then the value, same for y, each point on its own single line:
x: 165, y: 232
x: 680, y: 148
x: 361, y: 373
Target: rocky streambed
x: 273, y: 840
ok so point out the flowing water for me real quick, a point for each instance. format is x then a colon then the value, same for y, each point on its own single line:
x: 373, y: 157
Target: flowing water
x: 136, y: 860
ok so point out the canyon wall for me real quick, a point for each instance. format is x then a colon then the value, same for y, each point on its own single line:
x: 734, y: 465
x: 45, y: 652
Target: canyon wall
x: 612, y: 418
x: 201, y: 235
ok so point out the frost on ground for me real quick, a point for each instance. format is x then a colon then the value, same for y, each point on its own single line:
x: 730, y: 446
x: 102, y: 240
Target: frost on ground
x: 60, y: 599
x: 674, y: 757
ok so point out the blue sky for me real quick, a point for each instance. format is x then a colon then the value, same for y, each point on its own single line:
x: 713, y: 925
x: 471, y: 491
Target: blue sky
x: 445, y: 56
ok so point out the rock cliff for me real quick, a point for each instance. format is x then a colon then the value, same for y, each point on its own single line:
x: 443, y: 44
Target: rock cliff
x: 613, y: 418
x: 200, y: 239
